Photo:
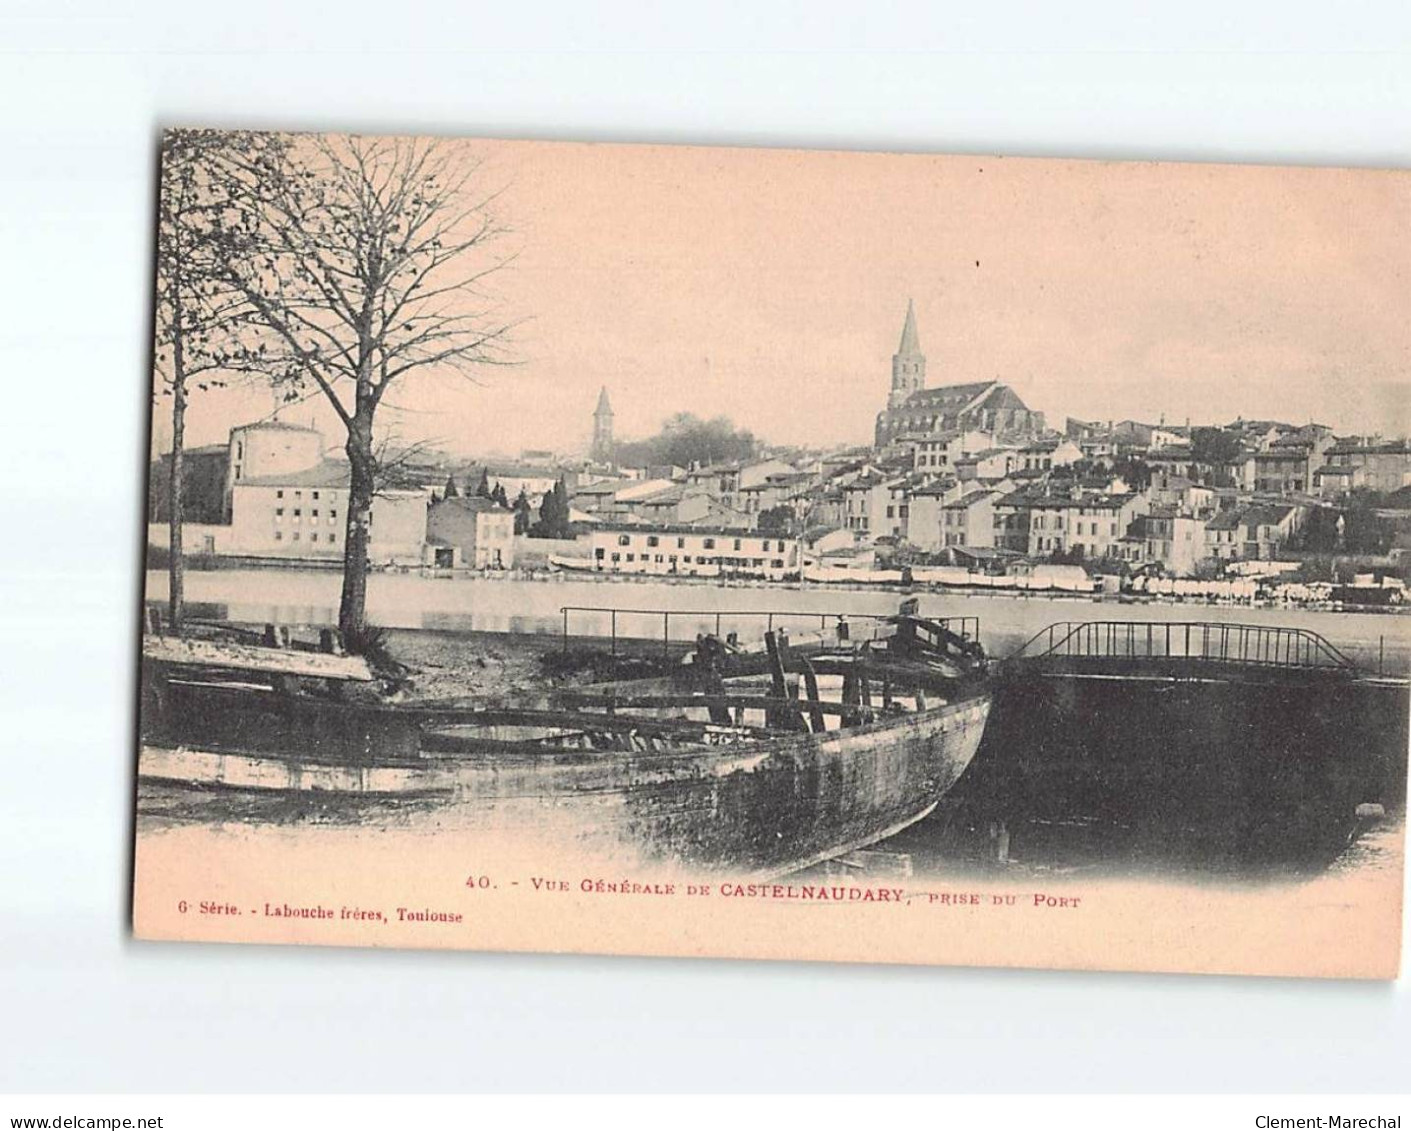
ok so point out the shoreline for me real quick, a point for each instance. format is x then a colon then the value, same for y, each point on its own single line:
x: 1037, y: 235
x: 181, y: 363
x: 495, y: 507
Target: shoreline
x: 554, y: 577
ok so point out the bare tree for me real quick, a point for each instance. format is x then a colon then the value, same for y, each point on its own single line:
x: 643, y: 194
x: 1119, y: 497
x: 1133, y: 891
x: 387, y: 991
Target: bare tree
x: 198, y: 315
x: 363, y: 264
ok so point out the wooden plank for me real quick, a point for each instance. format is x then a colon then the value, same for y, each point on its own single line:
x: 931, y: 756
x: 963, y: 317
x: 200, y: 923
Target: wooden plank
x: 252, y: 658
x: 574, y: 720
x: 810, y: 680
x: 783, y: 718
x: 659, y: 702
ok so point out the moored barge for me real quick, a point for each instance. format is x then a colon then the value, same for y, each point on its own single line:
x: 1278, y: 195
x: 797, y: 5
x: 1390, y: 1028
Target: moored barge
x: 719, y: 767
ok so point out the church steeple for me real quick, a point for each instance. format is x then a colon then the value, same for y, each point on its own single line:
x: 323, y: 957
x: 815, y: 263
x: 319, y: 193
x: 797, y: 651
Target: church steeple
x: 908, y: 363
x: 602, y: 429
x: 910, y: 340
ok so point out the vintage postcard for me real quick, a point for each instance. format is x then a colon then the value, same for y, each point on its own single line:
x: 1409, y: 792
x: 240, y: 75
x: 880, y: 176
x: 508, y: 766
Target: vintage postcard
x: 776, y: 554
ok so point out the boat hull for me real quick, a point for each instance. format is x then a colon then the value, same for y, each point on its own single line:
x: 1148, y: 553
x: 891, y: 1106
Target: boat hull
x: 762, y: 808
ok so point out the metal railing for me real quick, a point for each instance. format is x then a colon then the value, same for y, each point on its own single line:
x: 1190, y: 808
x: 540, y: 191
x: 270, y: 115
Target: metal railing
x: 752, y: 623
x: 1209, y: 641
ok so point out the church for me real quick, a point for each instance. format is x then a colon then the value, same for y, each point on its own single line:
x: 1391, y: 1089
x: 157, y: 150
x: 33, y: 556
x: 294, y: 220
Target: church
x: 914, y: 410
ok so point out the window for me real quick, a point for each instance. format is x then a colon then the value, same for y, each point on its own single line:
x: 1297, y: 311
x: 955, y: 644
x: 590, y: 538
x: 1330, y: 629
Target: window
x: 278, y: 513
x: 653, y: 540
x: 279, y: 494
x: 681, y: 544
x: 332, y: 515
x: 737, y: 543
x: 624, y: 540
x: 279, y: 536
x: 332, y: 538
x: 710, y: 543
x: 296, y: 535
x: 631, y: 557
x: 314, y: 512
x: 297, y: 512
x: 617, y: 557
x: 298, y: 494
x: 313, y: 537
x: 599, y: 554
x: 315, y: 496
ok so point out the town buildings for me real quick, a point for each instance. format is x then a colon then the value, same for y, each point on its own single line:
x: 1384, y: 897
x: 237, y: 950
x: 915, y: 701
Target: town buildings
x: 961, y: 472
x: 1375, y: 464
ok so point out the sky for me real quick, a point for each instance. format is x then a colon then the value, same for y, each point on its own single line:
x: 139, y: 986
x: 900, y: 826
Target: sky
x: 769, y: 286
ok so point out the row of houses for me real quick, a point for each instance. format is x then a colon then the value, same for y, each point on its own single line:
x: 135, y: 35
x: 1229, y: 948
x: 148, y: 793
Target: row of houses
x: 966, y: 494
x: 957, y: 491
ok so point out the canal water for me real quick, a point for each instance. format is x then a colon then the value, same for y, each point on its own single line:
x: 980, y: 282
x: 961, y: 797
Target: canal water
x: 521, y: 605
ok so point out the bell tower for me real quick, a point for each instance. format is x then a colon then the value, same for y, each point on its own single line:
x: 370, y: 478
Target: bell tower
x: 908, y: 363
x: 602, y: 429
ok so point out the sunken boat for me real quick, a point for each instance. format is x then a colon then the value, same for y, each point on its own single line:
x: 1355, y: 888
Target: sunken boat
x: 752, y: 760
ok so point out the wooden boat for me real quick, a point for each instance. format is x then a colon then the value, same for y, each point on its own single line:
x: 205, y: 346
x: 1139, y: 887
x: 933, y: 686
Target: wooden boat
x: 706, y: 770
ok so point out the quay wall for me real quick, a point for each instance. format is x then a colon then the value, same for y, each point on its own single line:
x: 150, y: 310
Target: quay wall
x: 1232, y: 771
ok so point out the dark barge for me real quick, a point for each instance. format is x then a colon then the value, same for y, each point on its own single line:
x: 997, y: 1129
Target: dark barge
x: 738, y: 762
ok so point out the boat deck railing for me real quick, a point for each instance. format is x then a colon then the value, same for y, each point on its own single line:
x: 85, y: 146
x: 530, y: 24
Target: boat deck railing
x: 1207, y: 641
x: 680, y: 627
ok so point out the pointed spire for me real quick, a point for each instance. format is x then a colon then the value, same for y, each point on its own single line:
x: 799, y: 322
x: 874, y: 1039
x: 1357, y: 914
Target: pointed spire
x: 910, y: 340
x: 604, y: 405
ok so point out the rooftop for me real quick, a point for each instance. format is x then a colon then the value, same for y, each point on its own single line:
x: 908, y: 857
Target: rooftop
x: 708, y: 531
x: 329, y: 473
x: 477, y: 504
x: 275, y: 426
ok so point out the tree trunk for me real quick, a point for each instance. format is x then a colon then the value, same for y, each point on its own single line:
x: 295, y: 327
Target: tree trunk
x: 176, y: 511
x: 352, y: 608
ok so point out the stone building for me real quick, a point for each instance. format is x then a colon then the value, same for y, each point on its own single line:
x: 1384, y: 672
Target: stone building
x: 914, y: 410
x: 478, y: 529
x: 303, y: 515
x: 270, y: 448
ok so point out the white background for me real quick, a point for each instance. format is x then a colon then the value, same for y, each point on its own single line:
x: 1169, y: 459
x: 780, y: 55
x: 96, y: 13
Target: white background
x: 84, y: 86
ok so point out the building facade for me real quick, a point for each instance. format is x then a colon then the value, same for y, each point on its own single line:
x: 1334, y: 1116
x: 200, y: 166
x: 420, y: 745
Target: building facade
x: 478, y: 529
x: 304, y: 515
x: 690, y: 552
x: 969, y: 522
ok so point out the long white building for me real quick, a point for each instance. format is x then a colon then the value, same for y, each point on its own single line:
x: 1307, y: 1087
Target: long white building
x: 669, y: 551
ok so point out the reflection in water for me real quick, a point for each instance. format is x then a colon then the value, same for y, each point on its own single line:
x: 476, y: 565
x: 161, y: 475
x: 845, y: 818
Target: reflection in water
x: 515, y: 604
x: 956, y: 842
